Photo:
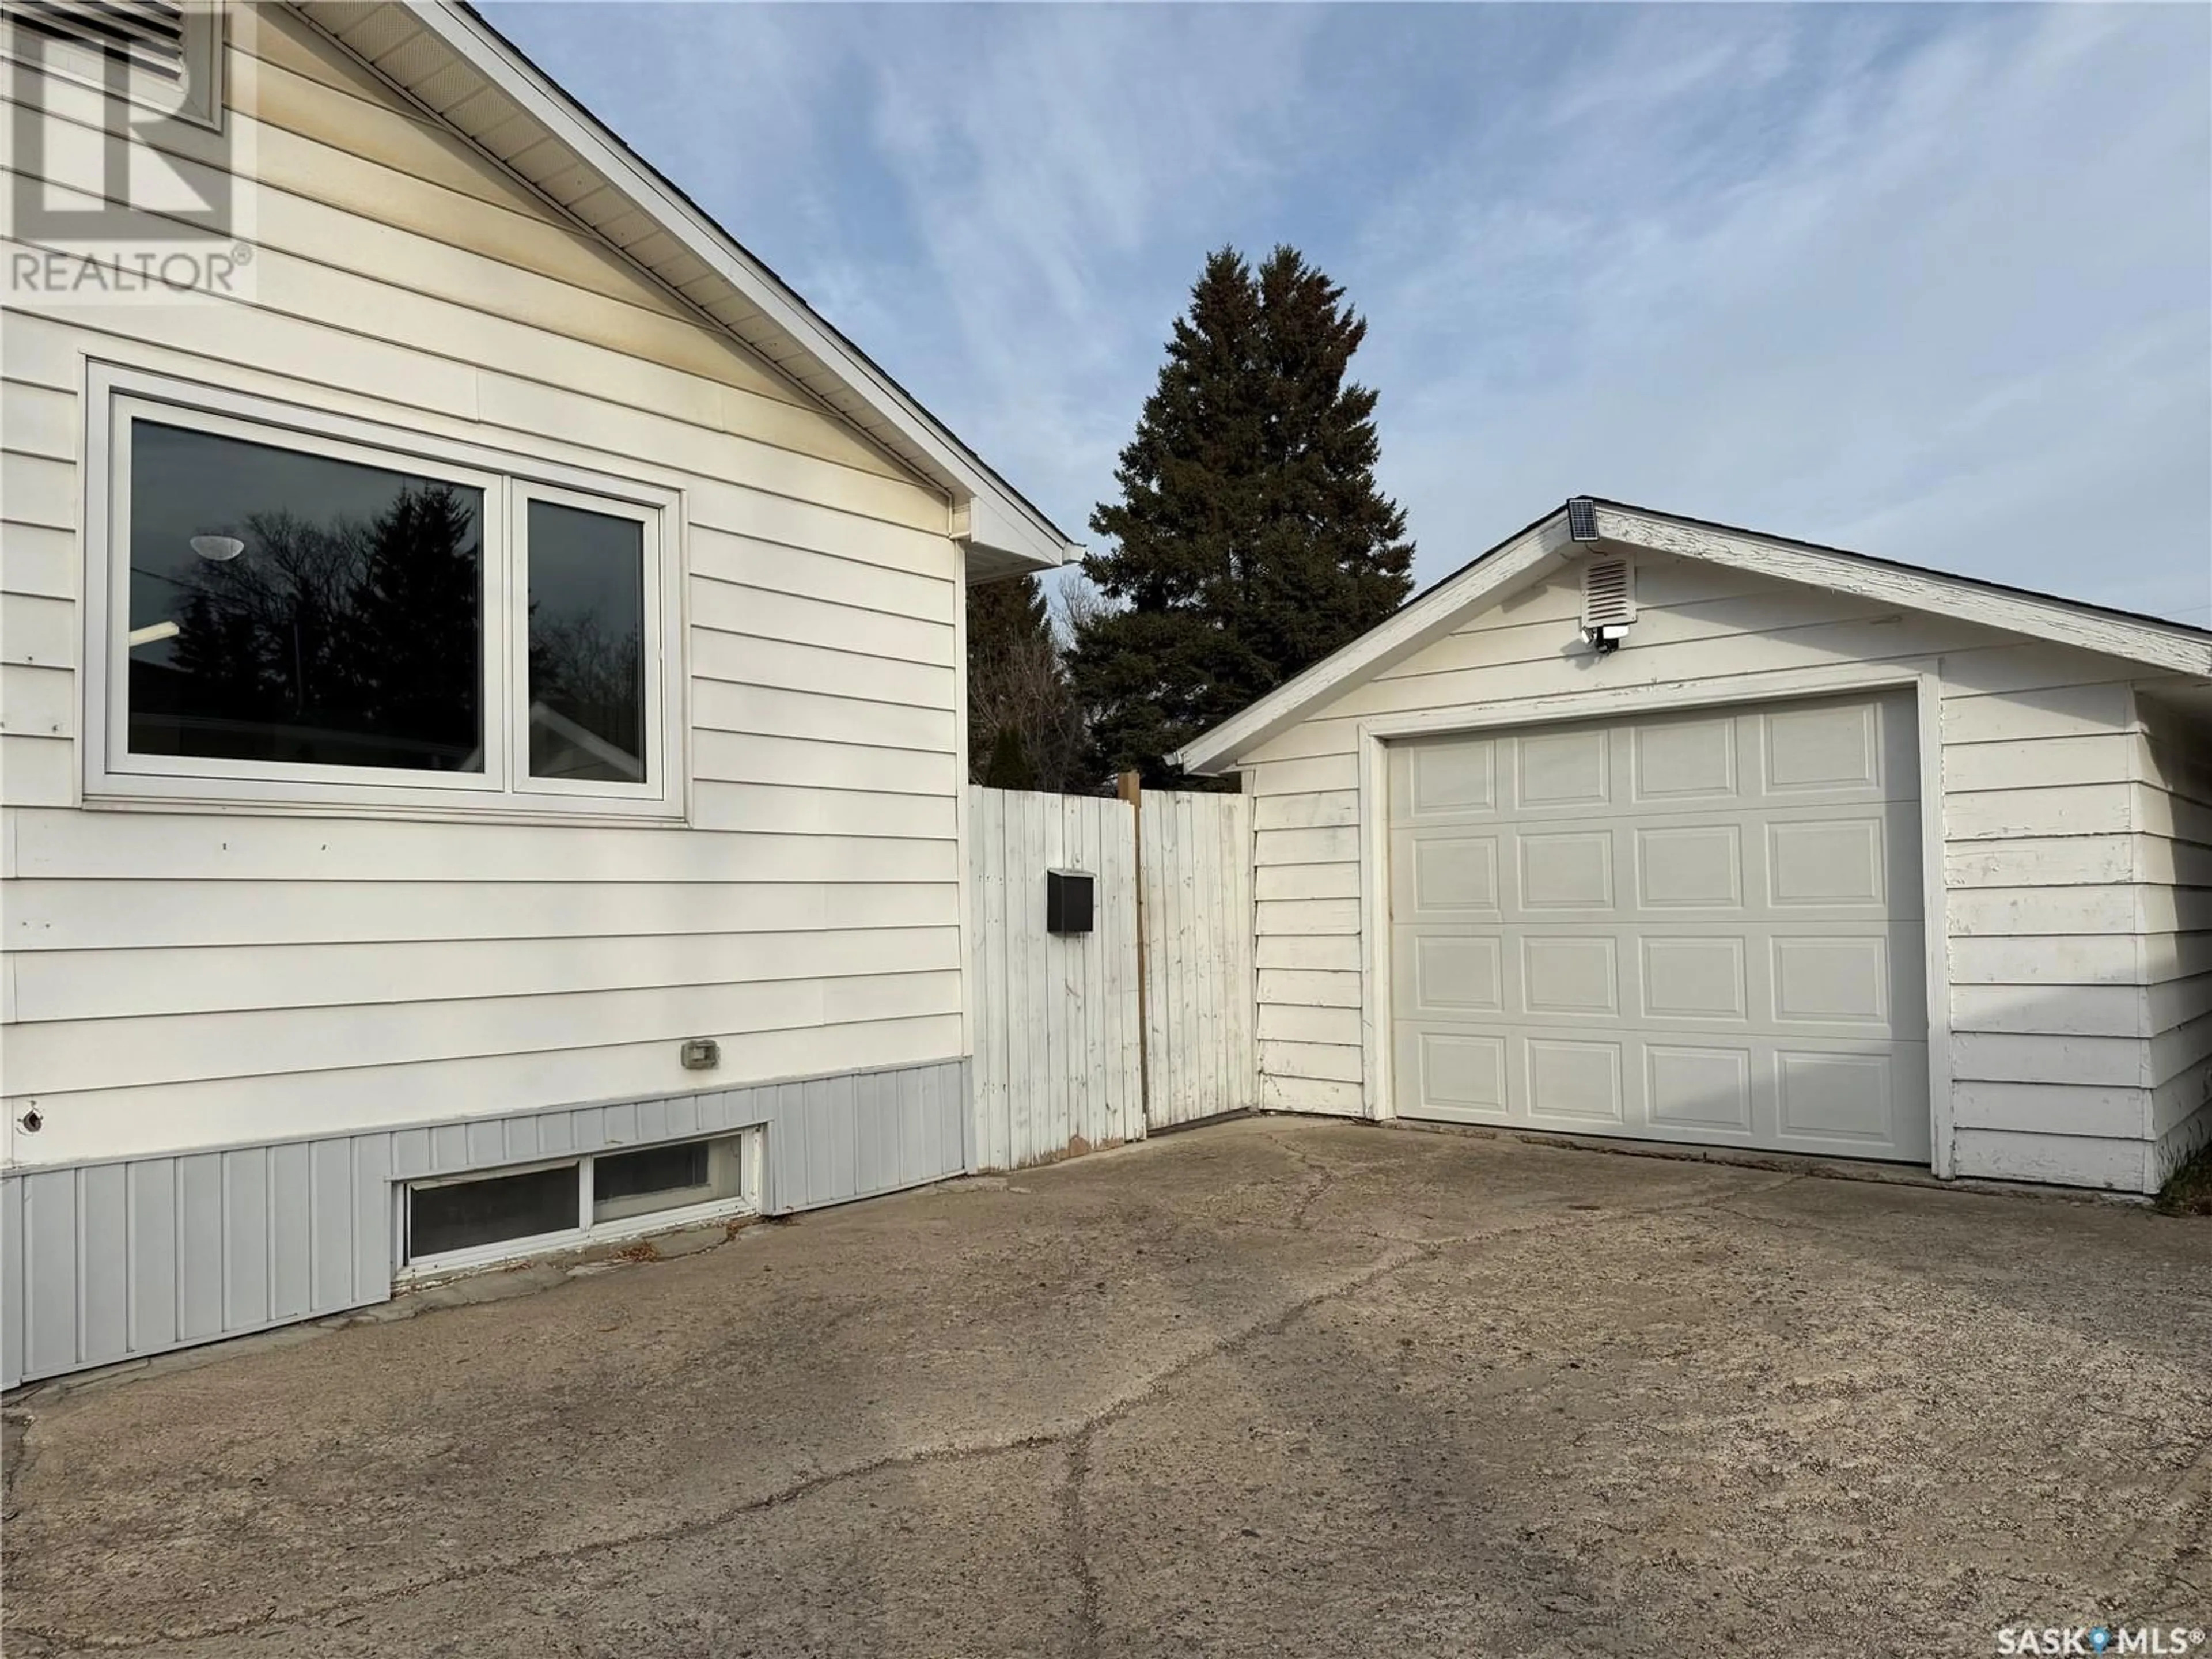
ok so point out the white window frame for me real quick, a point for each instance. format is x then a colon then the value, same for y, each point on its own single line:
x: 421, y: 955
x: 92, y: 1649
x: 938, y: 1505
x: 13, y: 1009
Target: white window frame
x: 521, y: 494
x: 114, y: 776
x: 196, y: 96
x: 746, y: 1202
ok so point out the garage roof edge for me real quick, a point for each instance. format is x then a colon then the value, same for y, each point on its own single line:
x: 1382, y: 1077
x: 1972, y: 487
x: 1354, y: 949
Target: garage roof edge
x: 1534, y: 552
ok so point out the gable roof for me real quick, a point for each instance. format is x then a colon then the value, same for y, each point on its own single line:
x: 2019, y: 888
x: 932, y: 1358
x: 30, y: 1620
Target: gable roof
x: 445, y: 56
x: 1533, y: 553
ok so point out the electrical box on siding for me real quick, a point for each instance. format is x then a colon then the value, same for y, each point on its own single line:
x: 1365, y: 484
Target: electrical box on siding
x: 1067, y: 901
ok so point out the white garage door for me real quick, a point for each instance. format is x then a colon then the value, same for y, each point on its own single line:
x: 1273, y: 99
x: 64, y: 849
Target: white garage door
x: 1702, y: 927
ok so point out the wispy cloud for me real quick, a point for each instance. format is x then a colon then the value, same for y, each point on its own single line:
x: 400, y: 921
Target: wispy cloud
x: 1946, y: 309
x: 1074, y: 148
x: 1933, y: 282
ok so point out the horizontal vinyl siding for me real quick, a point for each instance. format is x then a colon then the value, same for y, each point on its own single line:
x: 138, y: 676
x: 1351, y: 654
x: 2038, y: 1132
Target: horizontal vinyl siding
x: 2065, y: 911
x: 337, y: 193
x: 2177, y: 789
x: 136, y: 984
x: 48, y: 1059
x: 1306, y: 812
x: 41, y: 561
x: 180, y: 979
x: 210, y: 847
x: 225, y: 1110
x: 2055, y: 861
x: 98, y: 917
x: 37, y: 632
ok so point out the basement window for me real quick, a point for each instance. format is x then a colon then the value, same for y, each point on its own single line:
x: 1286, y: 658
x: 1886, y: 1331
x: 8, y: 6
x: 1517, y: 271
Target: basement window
x: 657, y: 1178
x: 497, y: 1215
x: 451, y: 1216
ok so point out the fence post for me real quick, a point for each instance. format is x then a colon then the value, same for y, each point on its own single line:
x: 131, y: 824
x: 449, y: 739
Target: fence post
x: 1130, y: 787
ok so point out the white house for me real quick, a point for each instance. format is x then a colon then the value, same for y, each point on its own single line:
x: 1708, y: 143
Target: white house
x: 481, y: 725
x: 1640, y: 826
x: 487, y: 699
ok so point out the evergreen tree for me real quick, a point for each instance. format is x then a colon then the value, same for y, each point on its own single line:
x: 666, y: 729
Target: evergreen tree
x: 415, y: 628
x: 1251, y: 540
x: 1025, y: 730
x: 262, y: 633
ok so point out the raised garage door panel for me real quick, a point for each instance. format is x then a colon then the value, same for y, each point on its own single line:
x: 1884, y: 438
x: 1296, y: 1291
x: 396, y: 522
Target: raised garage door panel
x: 1701, y: 926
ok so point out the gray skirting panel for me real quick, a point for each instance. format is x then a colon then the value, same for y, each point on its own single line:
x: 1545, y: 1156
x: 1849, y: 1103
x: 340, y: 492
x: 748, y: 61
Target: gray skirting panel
x: 100, y: 1263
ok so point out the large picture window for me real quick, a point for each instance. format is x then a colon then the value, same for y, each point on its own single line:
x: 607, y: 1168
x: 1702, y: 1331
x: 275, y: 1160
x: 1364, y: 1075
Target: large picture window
x: 290, y: 607
x: 294, y: 615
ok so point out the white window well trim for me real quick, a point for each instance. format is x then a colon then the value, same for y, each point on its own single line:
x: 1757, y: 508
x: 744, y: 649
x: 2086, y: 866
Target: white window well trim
x: 747, y: 1202
x: 113, y: 776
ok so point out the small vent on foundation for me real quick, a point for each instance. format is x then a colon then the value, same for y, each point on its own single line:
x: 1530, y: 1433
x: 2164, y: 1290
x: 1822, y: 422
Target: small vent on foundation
x: 1608, y: 593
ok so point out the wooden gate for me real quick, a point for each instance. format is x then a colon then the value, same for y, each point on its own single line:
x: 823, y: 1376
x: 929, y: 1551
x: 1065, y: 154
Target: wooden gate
x: 1057, y: 1045
x: 1194, y: 870
x: 1080, y: 1041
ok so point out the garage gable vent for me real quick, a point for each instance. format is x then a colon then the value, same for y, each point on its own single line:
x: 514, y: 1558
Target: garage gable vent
x: 148, y: 35
x: 1608, y: 593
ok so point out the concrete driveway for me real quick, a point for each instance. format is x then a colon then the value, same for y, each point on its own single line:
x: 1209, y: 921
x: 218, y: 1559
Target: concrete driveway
x: 1275, y: 1387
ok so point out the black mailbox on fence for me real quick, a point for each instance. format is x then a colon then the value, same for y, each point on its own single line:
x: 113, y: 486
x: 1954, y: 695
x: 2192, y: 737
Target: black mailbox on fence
x: 1067, y: 901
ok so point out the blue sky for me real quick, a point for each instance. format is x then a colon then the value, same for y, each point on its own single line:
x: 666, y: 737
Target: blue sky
x: 1933, y: 282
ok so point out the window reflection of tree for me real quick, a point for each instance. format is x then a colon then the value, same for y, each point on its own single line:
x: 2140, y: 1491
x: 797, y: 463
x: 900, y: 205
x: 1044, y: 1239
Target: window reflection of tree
x: 347, y: 642
x: 591, y: 677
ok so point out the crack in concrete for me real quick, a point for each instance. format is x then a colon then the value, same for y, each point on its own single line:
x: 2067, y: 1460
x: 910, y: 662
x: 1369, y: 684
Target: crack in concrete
x: 955, y: 1452
x: 2190, y: 1496
x: 1092, y: 1636
x: 467, y: 1571
x: 1078, y: 1436
x: 2189, y: 1506
x: 1324, y: 1178
x: 14, y: 1458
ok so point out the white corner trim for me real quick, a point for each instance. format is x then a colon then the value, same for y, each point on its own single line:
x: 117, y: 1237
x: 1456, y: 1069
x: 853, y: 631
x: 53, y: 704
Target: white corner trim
x: 963, y: 842
x: 1935, y: 920
x: 2169, y: 645
x: 1377, y: 1096
x: 1031, y: 534
x: 1922, y: 674
x: 1527, y: 558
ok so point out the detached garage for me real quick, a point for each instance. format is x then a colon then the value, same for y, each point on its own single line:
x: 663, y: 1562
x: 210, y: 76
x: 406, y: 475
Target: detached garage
x: 1735, y: 896
x: 1643, y: 827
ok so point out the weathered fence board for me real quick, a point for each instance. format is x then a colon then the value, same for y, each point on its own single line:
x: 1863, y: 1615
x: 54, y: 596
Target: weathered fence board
x: 1195, y: 866
x: 1068, y: 1056
x: 1056, y: 1070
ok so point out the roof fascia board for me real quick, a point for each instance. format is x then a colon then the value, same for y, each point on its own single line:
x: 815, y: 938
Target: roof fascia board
x: 473, y: 40
x: 2181, y: 649
x: 981, y: 521
x: 1527, y: 558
